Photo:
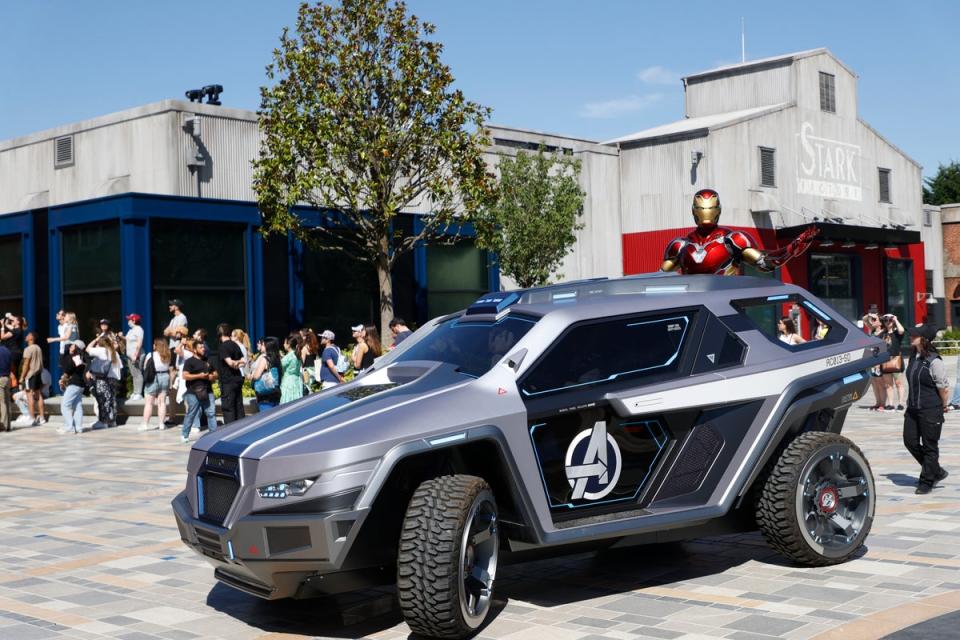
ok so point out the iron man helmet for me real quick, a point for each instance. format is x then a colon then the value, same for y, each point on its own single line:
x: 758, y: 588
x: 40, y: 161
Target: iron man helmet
x: 706, y: 207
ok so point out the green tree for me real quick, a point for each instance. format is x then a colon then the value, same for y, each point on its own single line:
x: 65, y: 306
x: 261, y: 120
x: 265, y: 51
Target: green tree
x: 361, y: 117
x: 531, y: 223
x: 943, y: 188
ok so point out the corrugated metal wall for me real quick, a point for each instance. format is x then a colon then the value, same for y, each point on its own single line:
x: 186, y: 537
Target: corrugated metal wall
x: 229, y: 148
x: 736, y: 91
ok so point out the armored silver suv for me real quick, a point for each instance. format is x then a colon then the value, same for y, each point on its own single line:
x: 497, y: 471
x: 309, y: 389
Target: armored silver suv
x: 603, y: 412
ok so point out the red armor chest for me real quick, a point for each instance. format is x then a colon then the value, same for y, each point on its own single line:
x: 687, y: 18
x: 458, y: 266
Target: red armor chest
x: 707, y: 255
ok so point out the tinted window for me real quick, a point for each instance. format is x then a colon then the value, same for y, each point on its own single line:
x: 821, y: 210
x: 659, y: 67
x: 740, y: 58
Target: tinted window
x: 790, y: 320
x: 11, y: 275
x: 203, y: 265
x: 610, y: 350
x: 474, y: 347
x: 91, y: 275
x: 456, y: 276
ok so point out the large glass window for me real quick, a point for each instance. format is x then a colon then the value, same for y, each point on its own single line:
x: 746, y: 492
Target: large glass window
x: 91, y: 275
x: 11, y: 275
x: 833, y: 279
x: 898, y: 276
x: 338, y: 291
x: 473, y: 346
x: 456, y: 276
x: 610, y: 350
x: 204, y: 265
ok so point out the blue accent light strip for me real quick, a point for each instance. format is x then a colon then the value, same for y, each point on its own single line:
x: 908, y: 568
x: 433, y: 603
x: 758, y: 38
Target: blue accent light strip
x: 446, y: 439
x: 816, y: 310
x: 853, y: 378
x: 677, y: 288
x: 200, y: 510
x: 772, y: 298
x: 230, y: 554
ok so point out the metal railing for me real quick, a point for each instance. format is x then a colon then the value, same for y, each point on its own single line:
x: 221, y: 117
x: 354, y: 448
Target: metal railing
x: 947, y: 347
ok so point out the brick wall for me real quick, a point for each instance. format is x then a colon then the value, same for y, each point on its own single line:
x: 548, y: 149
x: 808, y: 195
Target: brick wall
x: 950, y: 216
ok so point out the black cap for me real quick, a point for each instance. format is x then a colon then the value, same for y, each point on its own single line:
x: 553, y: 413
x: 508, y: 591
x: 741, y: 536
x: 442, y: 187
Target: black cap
x: 104, y: 321
x: 176, y: 302
x: 927, y: 331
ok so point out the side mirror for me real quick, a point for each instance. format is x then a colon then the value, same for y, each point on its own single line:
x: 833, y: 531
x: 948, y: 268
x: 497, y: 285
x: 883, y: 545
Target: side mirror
x: 514, y: 359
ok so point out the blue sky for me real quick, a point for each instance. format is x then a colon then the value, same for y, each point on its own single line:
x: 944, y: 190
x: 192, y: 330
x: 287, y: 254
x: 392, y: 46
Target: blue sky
x: 591, y: 69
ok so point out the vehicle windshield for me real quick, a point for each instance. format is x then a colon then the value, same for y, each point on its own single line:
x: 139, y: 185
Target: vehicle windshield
x: 474, y: 347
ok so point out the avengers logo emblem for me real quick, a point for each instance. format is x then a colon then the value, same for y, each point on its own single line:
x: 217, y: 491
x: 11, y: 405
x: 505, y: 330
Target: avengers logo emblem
x: 593, y: 463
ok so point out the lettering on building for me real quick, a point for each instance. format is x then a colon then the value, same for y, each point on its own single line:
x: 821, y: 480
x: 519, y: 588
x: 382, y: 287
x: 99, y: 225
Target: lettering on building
x: 827, y: 168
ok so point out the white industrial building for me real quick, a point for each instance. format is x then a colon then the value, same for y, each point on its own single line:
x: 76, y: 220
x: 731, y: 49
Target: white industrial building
x: 91, y: 213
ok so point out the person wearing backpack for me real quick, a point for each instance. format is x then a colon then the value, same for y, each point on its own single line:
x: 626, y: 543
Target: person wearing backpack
x: 266, y: 374
x: 156, y: 380
x: 102, y: 373
x: 329, y: 363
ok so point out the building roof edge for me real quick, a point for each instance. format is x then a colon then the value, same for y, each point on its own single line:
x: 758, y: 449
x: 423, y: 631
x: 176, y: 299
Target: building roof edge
x: 135, y: 113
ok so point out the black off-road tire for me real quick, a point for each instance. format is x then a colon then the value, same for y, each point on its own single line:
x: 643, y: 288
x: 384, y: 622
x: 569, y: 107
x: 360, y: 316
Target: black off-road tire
x: 777, y: 513
x: 428, y: 562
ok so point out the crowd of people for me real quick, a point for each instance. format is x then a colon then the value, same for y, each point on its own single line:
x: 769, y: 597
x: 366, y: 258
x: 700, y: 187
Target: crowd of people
x: 179, y: 368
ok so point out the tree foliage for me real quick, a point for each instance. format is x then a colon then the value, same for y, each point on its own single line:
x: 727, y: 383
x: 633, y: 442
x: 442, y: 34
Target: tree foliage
x: 360, y: 116
x: 532, y: 222
x: 943, y: 188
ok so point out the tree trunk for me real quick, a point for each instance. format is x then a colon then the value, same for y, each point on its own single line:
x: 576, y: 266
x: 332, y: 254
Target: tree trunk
x: 386, y: 291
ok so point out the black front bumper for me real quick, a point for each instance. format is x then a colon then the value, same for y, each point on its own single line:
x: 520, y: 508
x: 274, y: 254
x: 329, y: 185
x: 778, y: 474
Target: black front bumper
x: 271, y: 557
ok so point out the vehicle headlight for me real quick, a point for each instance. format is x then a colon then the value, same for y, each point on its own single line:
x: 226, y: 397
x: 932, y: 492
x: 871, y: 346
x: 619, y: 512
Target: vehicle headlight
x: 284, y: 489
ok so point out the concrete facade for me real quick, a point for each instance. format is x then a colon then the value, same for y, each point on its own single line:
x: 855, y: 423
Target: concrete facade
x: 597, y: 251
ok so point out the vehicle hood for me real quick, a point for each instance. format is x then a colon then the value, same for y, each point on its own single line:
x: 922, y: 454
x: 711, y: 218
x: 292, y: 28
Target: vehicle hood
x: 362, y: 412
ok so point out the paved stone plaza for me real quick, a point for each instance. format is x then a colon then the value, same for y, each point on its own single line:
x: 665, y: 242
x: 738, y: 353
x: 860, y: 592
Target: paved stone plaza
x: 91, y: 551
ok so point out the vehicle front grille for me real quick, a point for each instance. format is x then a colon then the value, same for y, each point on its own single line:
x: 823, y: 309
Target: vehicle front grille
x: 210, y: 544
x: 244, y: 584
x: 217, y: 494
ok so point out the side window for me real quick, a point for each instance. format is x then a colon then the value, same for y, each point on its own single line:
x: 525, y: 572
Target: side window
x: 720, y: 348
x: 791, y: 320
x: 609, y: 350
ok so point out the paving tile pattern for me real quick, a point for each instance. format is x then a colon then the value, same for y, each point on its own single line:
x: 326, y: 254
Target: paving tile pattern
x: 91, y: 551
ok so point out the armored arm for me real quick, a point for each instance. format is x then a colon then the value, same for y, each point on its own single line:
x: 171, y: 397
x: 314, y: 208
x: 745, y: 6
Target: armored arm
x: 671, y: 256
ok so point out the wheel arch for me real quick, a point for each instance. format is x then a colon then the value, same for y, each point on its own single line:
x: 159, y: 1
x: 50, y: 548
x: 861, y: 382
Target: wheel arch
x: 484, y: 454
x: 817, y: 407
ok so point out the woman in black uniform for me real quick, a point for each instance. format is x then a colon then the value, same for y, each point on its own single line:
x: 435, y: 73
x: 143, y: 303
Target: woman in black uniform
x: 929, y: 394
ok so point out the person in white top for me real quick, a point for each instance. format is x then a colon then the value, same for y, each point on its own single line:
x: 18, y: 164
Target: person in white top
x: 104, y: 372
x: 788, y: 331
x: 156, y: 388
x: 178, y: 320
x: 134, y: 352
x: 67, y: 330
x: 243, y: 341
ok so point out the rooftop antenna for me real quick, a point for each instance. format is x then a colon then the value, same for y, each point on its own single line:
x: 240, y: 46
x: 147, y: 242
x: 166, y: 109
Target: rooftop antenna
x: 743, y: 42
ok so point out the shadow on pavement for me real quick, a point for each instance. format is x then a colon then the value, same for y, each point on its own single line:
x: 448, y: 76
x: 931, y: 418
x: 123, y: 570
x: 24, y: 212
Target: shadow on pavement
x: 944, y: 626
x: 901, y: 479
x: 548, y: 582
x: 352, y: 615
x: 614, y: 571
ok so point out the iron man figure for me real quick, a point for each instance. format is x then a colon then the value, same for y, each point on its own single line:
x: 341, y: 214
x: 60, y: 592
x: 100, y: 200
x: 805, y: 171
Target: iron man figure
x: 715, y: 250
